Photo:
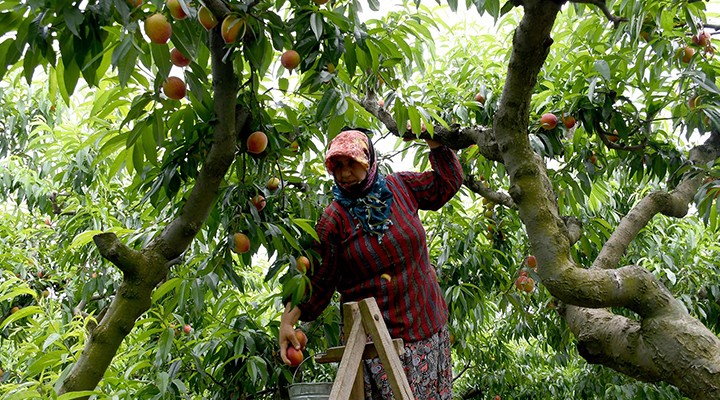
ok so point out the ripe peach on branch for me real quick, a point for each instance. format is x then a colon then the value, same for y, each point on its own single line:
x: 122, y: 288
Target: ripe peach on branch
x: 290, y: 59
x: 257, y: 142
x: 158, y: 29
x: 548, y: 121
x: 174, y: 88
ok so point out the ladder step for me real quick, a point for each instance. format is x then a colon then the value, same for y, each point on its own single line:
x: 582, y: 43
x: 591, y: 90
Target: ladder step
x: 334, y: 354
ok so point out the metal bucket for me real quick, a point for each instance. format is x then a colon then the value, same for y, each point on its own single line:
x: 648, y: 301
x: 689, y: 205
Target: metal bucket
x: 310, y: 391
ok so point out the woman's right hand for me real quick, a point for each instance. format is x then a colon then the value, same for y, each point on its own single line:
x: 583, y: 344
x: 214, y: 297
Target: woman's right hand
x: 287, y: 331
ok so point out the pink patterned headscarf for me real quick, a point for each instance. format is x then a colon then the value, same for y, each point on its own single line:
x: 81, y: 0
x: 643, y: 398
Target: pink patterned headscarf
x: 353, y: 144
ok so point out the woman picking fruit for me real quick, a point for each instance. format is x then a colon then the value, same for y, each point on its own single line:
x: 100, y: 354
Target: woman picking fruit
x: 372, y: 244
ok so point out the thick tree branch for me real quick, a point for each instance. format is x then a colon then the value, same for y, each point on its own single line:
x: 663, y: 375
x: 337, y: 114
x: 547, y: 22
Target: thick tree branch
x: 574, y: 228
x: 219, y: 8
x: 602, y: 336
x: 676, y: 349
x: 631, y: 287
x: 483, y: 190
x: 178, y: 234
x: 456, y: 137
x: 666, y: 343
x: 672, y: 204
x: 127, y: 260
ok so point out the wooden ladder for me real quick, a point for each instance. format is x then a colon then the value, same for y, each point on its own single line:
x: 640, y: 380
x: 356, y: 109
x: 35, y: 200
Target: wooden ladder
x: 364, y: 318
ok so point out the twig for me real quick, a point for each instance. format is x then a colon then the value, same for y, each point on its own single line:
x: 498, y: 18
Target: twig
x: 604, y: 8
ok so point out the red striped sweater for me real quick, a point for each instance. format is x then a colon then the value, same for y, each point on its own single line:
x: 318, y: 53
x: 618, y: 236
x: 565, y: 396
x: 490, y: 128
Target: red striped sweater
x: 353, y: 261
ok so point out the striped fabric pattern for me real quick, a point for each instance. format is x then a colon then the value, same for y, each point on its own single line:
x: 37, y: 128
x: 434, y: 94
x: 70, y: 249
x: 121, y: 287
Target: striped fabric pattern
x: 354, y: 262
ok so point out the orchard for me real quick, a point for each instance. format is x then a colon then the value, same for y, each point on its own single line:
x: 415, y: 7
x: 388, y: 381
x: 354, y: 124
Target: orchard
x: 161, y: 172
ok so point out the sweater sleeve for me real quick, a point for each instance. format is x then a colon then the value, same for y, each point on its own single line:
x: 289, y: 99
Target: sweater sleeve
x: 323, y: 278
x: 432, y: 189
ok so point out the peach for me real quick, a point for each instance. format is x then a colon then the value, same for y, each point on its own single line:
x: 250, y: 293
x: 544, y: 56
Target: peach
x: 176, y: 9
x: 295, y: 356
x: 241, y: 243
x: 174, y: 88
x: 568, y: 121
x: 548, y: 121
x: 273, y: 183
x: 302, y: 263
x: 259, y: 202
x: 231, y: 27
x: 178, y: 58
x: 686, y: 54
x: 613, y: 137
x: 302, y: 338
x: 290, y: 59
x: 207, y: 19
x: 158, y: 29
x: 702, y: 39
x: 257, y: 142
x: 531, y: 262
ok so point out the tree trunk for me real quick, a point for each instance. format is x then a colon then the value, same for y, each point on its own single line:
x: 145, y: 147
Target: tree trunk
x: 144, y: 270
x: 665, y: 343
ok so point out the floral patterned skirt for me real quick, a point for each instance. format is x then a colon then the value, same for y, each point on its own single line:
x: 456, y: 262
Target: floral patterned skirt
x: 427, y: 364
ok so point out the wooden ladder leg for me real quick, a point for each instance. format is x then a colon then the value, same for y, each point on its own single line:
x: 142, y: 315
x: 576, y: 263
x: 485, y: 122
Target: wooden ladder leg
x: 346, y: 381
x: 375, y: 325
x: 351, y: 312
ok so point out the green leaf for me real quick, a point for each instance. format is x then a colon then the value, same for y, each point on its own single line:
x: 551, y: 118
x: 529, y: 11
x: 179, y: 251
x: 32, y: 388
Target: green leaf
x: 77, y: 395
x: 17, y: 291
x: 20, y: 314
x: 9, y: 55
x: 414, y: 117
x: 291, y: 239
x: 124, y: 58
x: 603, y: 68
x: 164, y: 345
x: 138, y: 158
x: 316, y: 24
x: 327, y: 104
x: 493, y: 8
x: 85, y: 237
x: 305, y: 225
x: 137, y: 109
x: 52, y: 338
x: 350, y: 56
x: 161, y: 56
x: 73, y: 19
x: 167, y: 286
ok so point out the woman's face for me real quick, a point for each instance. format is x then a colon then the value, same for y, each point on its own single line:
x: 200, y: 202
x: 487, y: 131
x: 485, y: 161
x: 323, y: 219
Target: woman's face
x: 348, y: 172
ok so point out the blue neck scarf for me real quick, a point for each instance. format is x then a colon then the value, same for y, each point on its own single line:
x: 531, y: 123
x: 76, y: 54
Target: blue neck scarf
x: 372, y: 208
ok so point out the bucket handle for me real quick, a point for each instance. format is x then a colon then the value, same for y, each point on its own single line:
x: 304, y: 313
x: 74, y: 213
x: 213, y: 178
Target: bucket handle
x: 298, y: 367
